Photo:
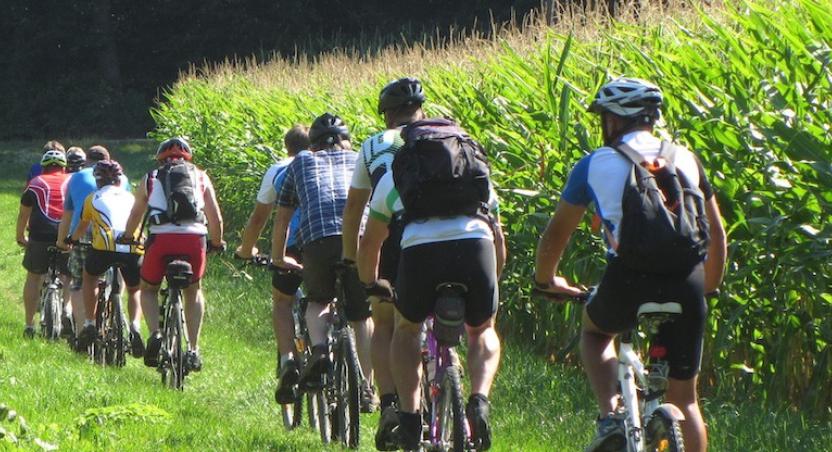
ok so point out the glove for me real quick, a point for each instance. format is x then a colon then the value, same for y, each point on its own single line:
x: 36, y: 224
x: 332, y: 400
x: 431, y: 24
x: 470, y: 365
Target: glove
x: 380, y: 288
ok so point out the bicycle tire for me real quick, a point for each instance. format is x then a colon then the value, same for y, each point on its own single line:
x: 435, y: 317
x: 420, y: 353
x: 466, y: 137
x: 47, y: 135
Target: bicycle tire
x: 426, y: 403
x: 348, y: 389
x: 663, y: 433
x: 323, y: 413
x: 98, y: 351
x: 451, y: 413
x: 173, y: 358
x: 51, y: 313
x: 312, y: 410
x: 117, y: 343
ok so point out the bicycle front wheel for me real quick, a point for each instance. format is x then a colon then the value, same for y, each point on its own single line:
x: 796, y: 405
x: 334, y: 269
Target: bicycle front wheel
x: 348, y: 388
x: 663, y: 433
x: 451, y: 413
x: 323, y: 412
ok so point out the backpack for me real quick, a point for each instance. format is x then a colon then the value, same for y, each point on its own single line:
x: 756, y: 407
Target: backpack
x: 178, y: 179
x: 440, y: 171
x: 664, y: 228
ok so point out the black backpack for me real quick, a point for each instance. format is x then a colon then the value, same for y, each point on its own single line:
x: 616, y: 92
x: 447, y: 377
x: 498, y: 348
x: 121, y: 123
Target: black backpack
x: 664, y: 227
x: 440, y: 171
x: 178, y: 179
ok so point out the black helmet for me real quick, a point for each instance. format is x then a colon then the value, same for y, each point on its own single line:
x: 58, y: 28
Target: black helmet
x: 327, y: 128
x: 401, y: 92
x: 107, y: 172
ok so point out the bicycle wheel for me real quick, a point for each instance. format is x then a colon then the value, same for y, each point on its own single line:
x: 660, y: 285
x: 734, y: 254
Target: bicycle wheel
x: 451, y: 413
x: 51, y: 313
x: 323, y: 412
x: 116, y: 341
x: 663, y: 433
x: 312, y: 410
x: 426, y: 401
x: 173, y: 356
x: 348, y: 389
x: 98, y: 348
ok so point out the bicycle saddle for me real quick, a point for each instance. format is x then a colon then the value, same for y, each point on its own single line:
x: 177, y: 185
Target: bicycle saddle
x: 658, y: 313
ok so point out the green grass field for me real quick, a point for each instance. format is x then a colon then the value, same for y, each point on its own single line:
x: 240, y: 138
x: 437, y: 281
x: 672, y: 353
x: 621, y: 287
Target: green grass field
x: 68, y: 402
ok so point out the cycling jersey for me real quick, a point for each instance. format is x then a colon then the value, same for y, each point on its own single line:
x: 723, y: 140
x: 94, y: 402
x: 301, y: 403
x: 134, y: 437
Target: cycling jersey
x: 376, y: 158
x: 80, y: 185
x: 600, y: 178
x: 386, y: 203
x: 316, y: 183
x: 45, y: 195
x: 107, y: 210
x: 156, y: 201
x: 270, y: 187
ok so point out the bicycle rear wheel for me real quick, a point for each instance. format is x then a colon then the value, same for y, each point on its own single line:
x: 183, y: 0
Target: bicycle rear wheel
x: 663, y: 433
x: 173, y: 355
x: 451, y: 413
x: 51, y: 313
x: 116, y: 343
x: 348, y: 389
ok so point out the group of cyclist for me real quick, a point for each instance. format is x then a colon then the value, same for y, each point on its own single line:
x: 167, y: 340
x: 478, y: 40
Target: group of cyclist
x: 81, y: 203
x: 336, y: 208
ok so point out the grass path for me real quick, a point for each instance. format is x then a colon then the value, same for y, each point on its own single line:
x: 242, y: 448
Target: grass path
x: 229, y: 406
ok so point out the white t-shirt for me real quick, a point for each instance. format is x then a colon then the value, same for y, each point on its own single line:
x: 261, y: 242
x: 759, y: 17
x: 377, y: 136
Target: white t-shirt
x: 376, y: 158
x: 267, y: 193
x: 386, y: 202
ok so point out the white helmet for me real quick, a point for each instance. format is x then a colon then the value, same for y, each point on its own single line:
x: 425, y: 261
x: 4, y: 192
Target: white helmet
x: 628, y: 97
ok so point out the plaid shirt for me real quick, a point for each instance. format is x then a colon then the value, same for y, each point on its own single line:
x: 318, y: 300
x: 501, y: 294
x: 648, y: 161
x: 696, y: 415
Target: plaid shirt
x: 317, y: 184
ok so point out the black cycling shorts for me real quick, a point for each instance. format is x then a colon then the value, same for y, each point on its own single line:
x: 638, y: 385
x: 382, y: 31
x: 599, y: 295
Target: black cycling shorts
x: 614, y: 307
x: 98, y: 261
x: 468, y: 261
x: 391, y: 250
x: 287, y: 282
x: 36, y: 258
x: 320, y: 259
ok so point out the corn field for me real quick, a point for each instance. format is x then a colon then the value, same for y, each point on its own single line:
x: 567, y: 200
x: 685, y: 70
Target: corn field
x: 748, y: 87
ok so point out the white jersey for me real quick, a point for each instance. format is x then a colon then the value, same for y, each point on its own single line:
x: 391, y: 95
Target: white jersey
x: 267, y: 193
x: 376, y: 158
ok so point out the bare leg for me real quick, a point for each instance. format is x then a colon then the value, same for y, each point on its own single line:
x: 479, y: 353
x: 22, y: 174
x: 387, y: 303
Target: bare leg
x: 682, y: 393
x: 31, y: 296
x: 483, y: 356
x: 150, y: 306
x: 194, y: 311
x: 406, y: 367
x: 380, y: 347
x: 363, y: 340
x: 600, y: 361
x: 79, y: 311
x: 316, y: 322
x: 282, y: 322
x: 134, y: 306
x: 89, y: 284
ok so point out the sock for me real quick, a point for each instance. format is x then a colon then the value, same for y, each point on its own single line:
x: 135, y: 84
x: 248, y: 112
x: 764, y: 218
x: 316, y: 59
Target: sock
x: 88, y: 322
x: 285, y: 358
x: 135, y: 326
x: 30, y: 326
x: 388, y: 400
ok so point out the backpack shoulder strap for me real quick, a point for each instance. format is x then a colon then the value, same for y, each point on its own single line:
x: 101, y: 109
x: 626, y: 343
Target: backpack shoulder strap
x: 631, y: 154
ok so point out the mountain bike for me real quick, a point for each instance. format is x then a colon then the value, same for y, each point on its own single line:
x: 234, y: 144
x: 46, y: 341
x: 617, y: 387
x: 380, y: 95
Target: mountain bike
x: 649, y: 424
x: 338, y: 399
x: 51, y: 305
x: 178, y: 275
x: 110, y: 344
x: 443, y: 406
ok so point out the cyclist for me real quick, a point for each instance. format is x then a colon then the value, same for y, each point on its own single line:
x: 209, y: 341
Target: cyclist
x: 316, y: 184
x: 628, y: 110
x: 465, y: 249
x: 400, y: 103
x: 105, y: 213
x: 75, y: 159
x: 81, y: 184
x: 36, y: 169
x: 41, y: 206
x: 171, y: 234
x: 284, y: 285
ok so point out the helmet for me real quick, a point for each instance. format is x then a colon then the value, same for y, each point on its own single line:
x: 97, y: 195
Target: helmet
x: 628, y: 97
x: 53, y: 157
x: 326, y: 127
x: 176, y: 147
x: 75, y: 158
x: 401, y: 92
x: 107, y: 172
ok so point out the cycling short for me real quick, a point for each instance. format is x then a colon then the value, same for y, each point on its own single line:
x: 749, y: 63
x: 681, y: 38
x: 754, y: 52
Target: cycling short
x: 287, y: 282
x: 468, y: 261
x: 391, y: 251
x: 36, y: 258
x: 320, y: 258
x: 98, y: 261
x: 614, y: 307
x: 77, y: 257
x: 161, y: 248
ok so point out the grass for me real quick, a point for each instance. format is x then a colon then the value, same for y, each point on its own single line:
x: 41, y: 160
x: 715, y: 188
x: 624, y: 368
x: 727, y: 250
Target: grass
x: 66, y: 401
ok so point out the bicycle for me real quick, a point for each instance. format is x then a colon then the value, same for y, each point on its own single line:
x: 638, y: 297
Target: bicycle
x: 443, y: 406
x: 51, y: 305
x: 337, y: 400
x: 292, y: 414
x: 649, y: 424
x: 110, y: 344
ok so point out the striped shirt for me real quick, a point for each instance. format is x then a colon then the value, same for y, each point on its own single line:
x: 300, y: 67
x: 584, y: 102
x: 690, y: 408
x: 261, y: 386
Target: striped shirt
x: 317, y: 184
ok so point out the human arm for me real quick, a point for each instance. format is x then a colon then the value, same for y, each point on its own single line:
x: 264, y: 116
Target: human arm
x: 213, y: 215
x: 500, y: 248
x: 356, y: 200
x: 552, y: 244
x: 375, y: 233
x: 717, y: 249
x: 282, y: 218
x: 83, y: 224
x: 254, y: 226
x: 63, y: 228
x: 23, y: 216
x: 137, y: 212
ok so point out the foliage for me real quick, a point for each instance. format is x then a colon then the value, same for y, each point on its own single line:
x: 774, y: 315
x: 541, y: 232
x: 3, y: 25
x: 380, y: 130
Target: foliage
x: 748, y: 88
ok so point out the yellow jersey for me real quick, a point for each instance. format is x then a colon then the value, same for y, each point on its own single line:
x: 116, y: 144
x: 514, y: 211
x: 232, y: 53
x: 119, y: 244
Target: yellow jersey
x: 107, y: 210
